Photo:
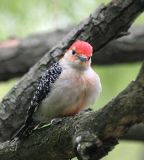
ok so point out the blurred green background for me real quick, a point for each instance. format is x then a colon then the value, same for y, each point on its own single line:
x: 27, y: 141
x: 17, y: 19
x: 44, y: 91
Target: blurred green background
x: 20, y: 18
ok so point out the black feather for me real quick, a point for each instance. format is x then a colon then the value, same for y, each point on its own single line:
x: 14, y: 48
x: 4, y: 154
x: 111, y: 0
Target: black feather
x: 44, y: 85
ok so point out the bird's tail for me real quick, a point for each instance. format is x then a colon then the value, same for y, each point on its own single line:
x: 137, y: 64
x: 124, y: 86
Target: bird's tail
x: 20, y: 133
x: 24, y: 131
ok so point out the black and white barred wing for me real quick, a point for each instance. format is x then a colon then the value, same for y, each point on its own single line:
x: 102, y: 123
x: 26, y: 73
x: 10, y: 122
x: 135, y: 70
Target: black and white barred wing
x: 44, y: 86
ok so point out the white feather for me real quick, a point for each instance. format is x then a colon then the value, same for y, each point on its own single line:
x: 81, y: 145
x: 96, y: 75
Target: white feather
x: 73, y: 88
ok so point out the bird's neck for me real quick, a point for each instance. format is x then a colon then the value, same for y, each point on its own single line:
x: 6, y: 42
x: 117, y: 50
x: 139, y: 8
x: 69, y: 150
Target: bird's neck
x: 77, y: 67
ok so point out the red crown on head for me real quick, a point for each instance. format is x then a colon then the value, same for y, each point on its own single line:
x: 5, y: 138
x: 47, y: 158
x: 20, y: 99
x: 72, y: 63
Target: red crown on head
x: 82, y: 47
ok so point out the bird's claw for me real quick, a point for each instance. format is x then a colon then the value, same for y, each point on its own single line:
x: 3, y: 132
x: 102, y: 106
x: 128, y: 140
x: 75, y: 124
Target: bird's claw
x: 44, y: 125
x: 86, y: 110
x: 55, y: 121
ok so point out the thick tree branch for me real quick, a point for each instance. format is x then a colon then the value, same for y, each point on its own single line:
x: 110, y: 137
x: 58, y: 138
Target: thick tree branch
x: 16, y: 59
x: 109, y: 21
x: 55, y: 142
x: 124, y: 50
x: 135, y: 133
x: 106, y: 23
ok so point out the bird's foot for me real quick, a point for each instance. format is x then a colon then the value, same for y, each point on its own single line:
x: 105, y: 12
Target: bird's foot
x: 86, y: 110
x: 54, y: 121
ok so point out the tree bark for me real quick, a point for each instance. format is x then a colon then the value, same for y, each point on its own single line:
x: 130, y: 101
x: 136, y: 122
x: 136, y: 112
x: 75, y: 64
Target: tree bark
x: 107, y: 23
x: 17, y: 59
x: 55, y: 142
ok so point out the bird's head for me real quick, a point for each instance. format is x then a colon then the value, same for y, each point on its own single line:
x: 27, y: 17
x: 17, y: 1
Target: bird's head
x: 79, y: 55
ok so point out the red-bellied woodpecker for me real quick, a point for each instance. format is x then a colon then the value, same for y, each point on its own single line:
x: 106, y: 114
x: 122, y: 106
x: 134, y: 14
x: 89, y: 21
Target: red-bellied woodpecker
x: 66, y: 88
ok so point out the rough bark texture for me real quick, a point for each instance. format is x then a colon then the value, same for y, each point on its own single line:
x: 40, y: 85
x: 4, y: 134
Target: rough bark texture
x: 124, y: 50
x: 100, y: 28
x: 55, y: 142
x: 17, y: 59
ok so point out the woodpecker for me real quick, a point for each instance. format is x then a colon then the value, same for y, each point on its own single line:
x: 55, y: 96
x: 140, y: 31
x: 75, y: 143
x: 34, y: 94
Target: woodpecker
x: 67, y: 87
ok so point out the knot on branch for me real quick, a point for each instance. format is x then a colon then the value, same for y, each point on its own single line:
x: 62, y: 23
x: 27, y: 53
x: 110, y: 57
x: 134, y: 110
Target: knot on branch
x: 87, y: 146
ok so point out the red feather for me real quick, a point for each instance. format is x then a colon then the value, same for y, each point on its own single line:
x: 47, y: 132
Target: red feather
x: 82, y: 47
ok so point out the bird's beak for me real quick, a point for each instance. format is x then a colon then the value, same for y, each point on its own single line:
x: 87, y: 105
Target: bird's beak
x: 82, y: 58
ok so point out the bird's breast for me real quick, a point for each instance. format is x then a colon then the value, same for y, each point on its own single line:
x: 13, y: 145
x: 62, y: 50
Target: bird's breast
x: 72, y: 92
x: 80, y: 90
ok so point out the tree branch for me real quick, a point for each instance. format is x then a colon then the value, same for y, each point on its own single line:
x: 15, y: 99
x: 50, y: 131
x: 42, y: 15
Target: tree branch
x: 135, y: 133
x: 124, y: 50
x: 17, y: 59
x: 106, y: 23
x: 55, y: 142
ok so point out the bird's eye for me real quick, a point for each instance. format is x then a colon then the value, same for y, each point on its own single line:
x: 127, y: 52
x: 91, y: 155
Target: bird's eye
x: 73, y: 52
x: 89, y: 58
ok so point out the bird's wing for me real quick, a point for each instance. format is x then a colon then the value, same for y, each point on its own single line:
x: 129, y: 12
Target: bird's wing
x: 44, y: 86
